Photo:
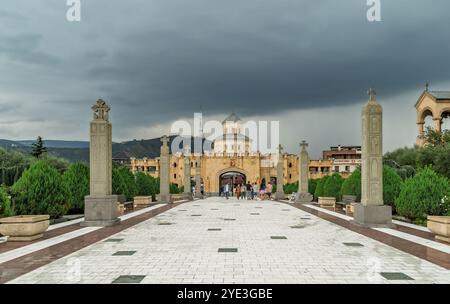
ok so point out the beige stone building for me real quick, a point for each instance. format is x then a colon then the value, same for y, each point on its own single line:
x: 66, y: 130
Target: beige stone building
x: 239, y: 166
x: 435, y: 104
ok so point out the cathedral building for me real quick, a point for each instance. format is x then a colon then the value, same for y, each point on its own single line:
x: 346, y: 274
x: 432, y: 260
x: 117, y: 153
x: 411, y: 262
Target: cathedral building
x: 232, y: 160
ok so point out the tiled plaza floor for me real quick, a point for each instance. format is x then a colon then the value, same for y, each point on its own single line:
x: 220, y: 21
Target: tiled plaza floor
x: 262, y: 242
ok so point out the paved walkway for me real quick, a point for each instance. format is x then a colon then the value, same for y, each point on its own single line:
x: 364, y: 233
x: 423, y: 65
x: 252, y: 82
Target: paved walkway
x: 263, y: 242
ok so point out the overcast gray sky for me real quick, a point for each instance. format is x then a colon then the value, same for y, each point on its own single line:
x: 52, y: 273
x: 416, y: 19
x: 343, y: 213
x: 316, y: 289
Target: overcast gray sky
x: 307, y: 63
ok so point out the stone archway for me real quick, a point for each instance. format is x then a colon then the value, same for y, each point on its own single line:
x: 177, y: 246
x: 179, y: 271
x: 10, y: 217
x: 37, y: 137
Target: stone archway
x: 231, y: 175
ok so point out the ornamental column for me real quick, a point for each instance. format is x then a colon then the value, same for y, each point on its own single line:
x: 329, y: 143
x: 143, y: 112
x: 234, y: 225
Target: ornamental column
x: 100, y: 205
x: 279, y: 195
x: 187, y: 174
x: 164, y: 178
x: 372, y: 212
x: 303, y: 195
x: 198, y: 179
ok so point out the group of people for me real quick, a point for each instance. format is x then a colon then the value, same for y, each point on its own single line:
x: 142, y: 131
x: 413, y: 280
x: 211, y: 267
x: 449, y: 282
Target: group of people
x: 248, y: 191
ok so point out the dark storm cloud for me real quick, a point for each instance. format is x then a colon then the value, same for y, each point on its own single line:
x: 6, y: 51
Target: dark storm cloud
x: 279, y: 64
x: 25, y: 48
x: 155, y: 61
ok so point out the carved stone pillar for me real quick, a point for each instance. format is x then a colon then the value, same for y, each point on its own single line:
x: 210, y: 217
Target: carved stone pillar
x: 198, y: 179
x: 372, y: 212
x: 279, y: 195
x: 303, y: 195
x: 187, y: 175
x: 100, y: 206
x: 164, y: 171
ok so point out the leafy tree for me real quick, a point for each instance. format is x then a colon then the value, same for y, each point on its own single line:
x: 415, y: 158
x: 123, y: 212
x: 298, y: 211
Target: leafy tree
x: 391, y: 185
x: 40, y: 190
x: 5, y: 203
x: 59, y: 164
x: 352, y: 185
x: 76, y: 179
x: 403, y: 156
x: 174, y: 189
x: 436, y: 156
x: 144, y: 184
x: 332, y: 186
x: 436, y: 138
x: 312, y: 184
x: 320, y: 187
x: 425, y: 194
x: 12, y: 165
x: 290, y: 188
x: 123, y: 182
x: 38, y: 148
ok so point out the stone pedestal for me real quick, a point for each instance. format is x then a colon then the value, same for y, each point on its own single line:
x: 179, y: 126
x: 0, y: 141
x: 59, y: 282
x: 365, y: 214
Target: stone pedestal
x: 303, y: 196
x: 372, y: 216
x: 100, y: 210
x: 372, y: 212
x: 100, y: 206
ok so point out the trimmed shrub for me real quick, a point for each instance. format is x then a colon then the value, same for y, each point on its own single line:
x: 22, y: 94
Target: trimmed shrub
x: 123, y: 182
x: 76, y: 179
x: 312, y: 185
x: 352, y: 185
x: 144, y: 184
x: 40, y: 190
x: 174, y: 189
x: 392, y: 184
x: 289, y: 188
x: 319, y: 188
x: 5, y: 203
x: 332, y: 186
x: 424, y: 194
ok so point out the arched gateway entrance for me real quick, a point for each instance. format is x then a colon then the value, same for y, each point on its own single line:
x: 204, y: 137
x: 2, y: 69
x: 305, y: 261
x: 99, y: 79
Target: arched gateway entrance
x: 231, y: 177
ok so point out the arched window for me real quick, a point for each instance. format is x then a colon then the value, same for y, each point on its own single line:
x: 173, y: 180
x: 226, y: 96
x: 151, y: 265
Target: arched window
x: 174, y: 165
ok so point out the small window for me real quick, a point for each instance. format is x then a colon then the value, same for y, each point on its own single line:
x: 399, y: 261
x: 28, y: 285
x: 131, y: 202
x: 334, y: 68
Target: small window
x: 175, y: 175
x: 290, y: 165
x: 174, y: 165
x: 290, y: 175
x: 336, y: 168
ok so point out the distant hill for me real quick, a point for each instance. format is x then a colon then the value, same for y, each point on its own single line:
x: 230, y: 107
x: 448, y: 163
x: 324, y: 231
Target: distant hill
x: 75, y: 151
x: 58, y: 143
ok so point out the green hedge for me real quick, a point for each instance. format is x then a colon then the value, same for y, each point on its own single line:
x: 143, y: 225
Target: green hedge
x: 5, y: 203
x: 392, y: 184
x: 332, y: 186
x: 76, y: 179
x: 352, y: 185
x: 320, y: 187
x: 123, y: 182
x: 41, y: 190
x: 427, y: 193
